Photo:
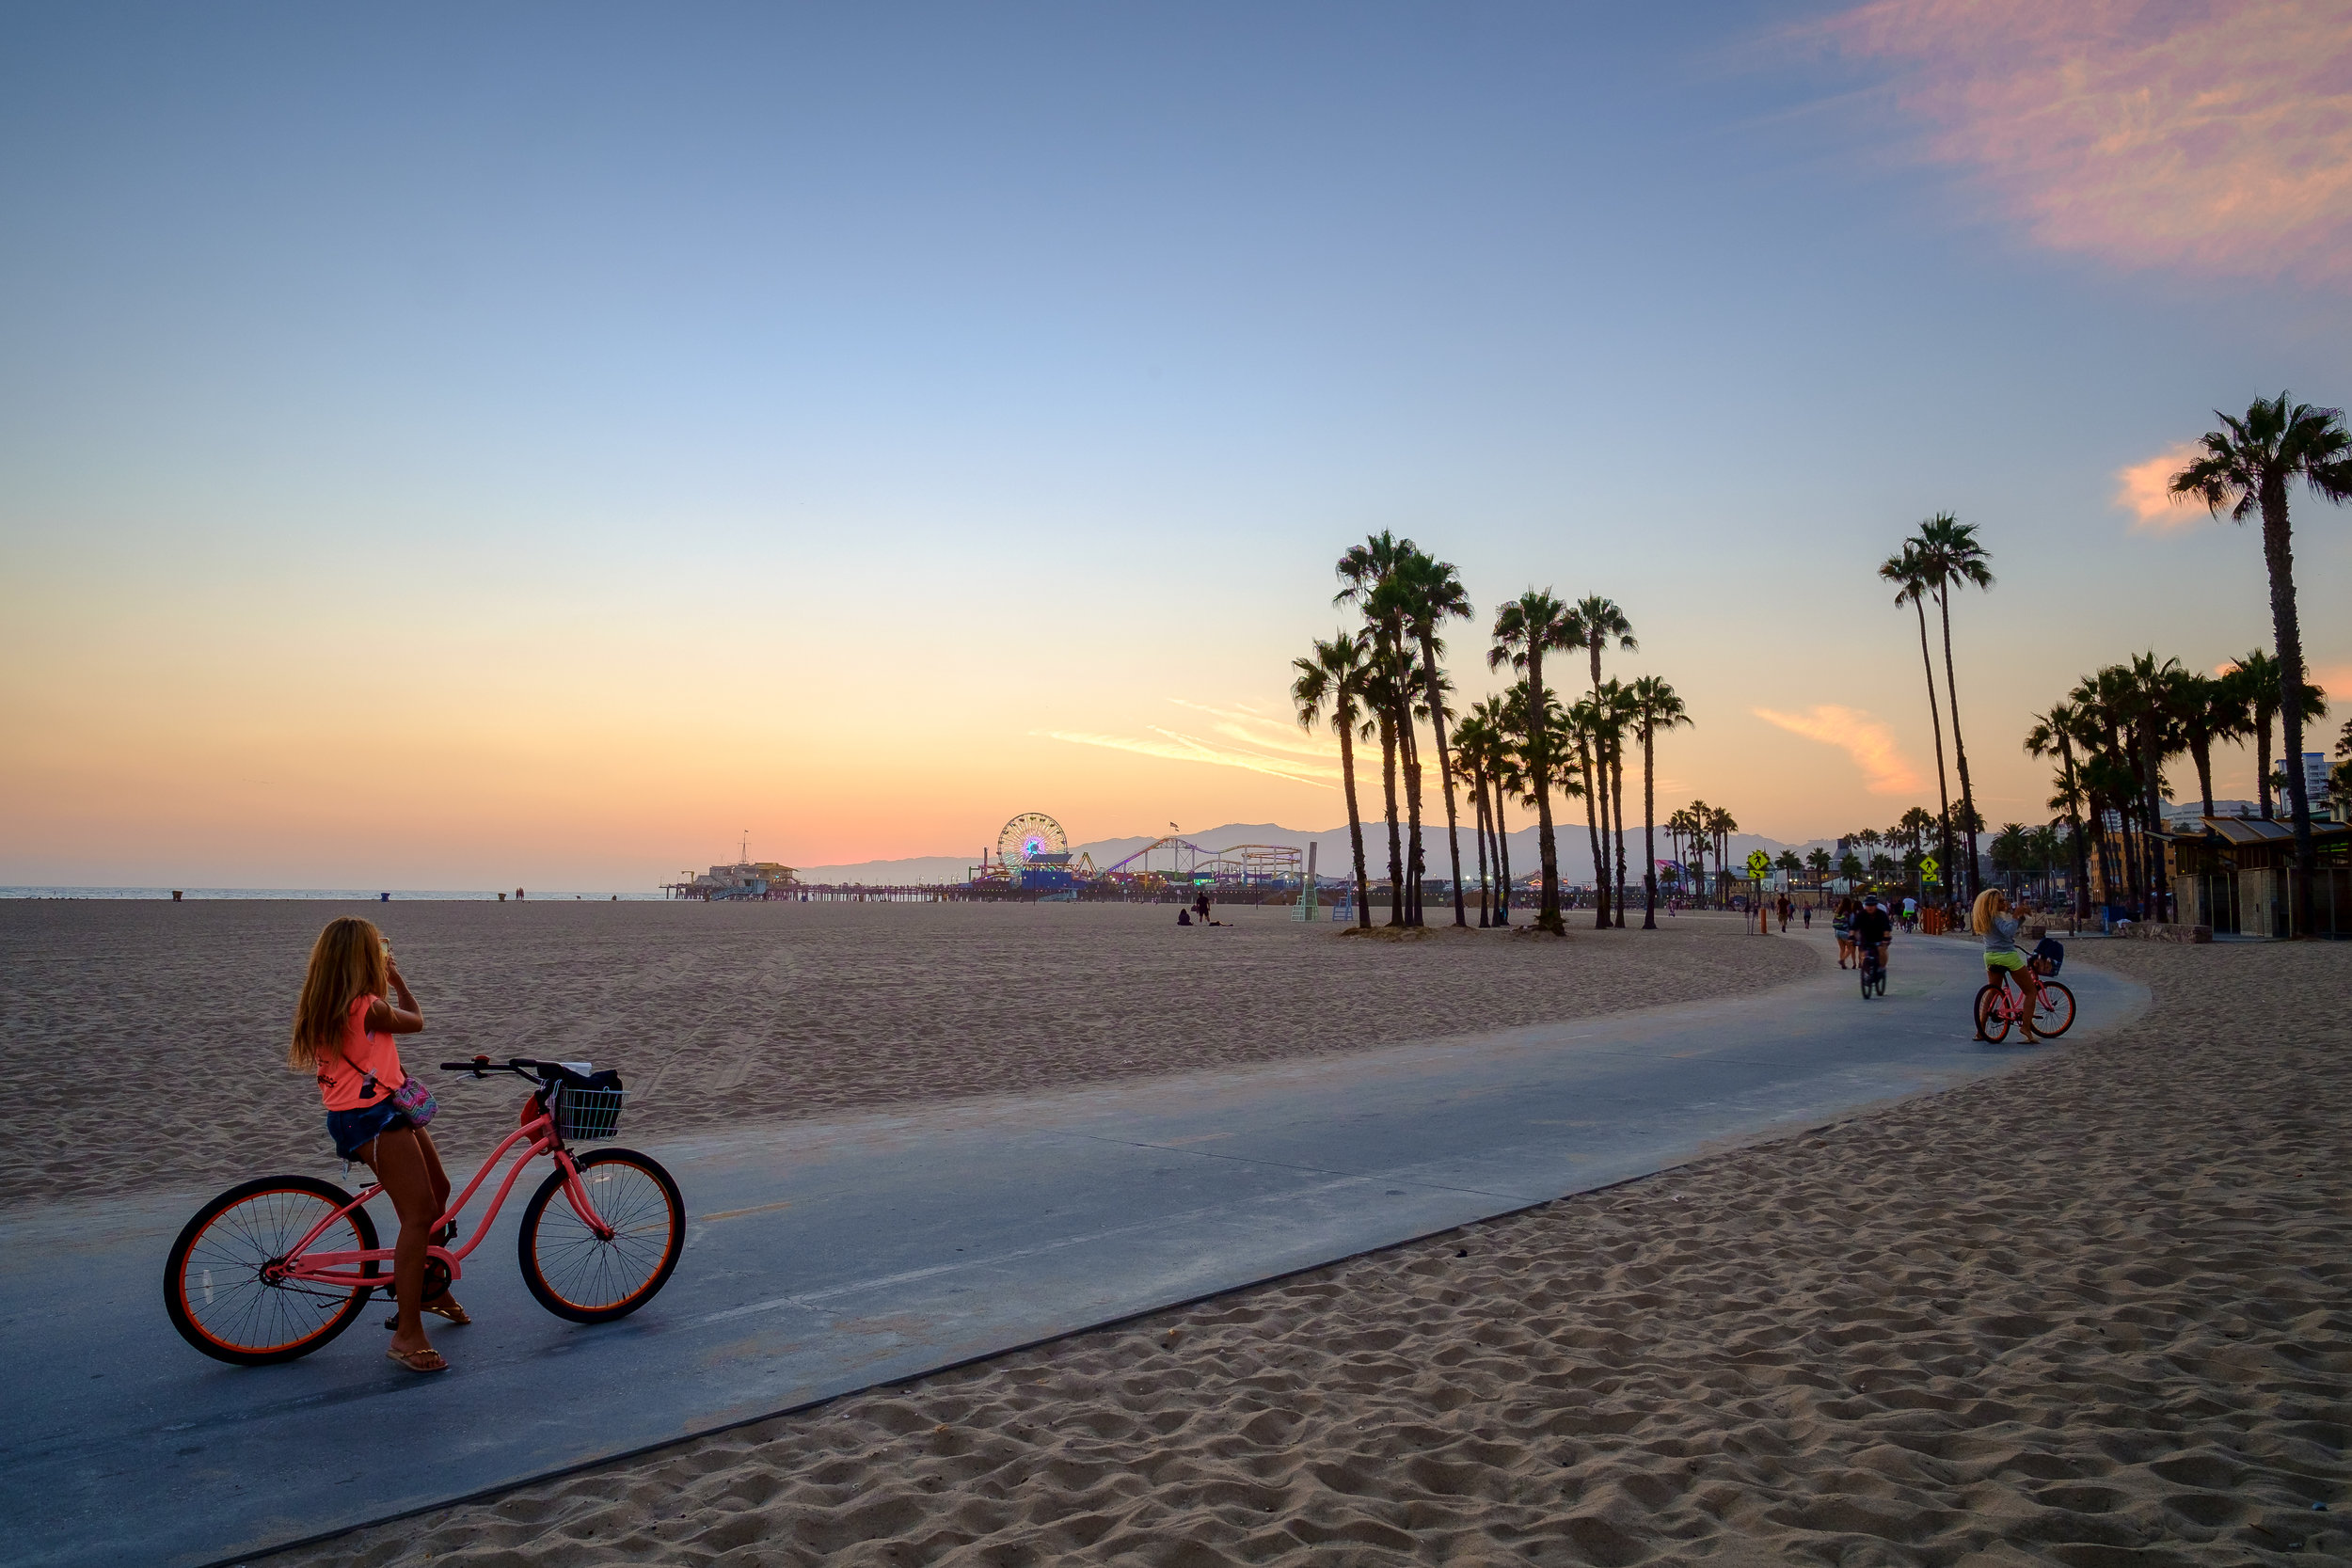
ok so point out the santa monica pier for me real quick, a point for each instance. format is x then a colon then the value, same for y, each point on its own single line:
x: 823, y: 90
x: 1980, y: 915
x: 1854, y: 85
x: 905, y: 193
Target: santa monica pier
x: 1031, y: 862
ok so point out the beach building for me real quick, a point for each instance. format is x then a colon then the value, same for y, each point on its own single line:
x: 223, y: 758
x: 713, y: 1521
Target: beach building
x: 2237, y: 876
x: 745, y: 879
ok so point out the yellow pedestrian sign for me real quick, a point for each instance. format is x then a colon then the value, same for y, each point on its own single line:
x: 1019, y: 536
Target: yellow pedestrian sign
x: 1760, y: 864
x: 1928, y: 868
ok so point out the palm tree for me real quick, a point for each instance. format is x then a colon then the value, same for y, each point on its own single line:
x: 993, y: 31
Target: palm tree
x: 2052, y: 734
x: 1655, y: 706
x: 1719, y: 823
x: 1583, y: 729
x: 1525, y: 629
x: 1908, y: 571
x: 2156, y: 700
x: 1369, y: 574
x: 1951, y: 556
x: 1330, y: 684
x: 2255, y: 679
x: 1599, y: 620
x: 1819, y: 861
x: 1434, y: 595
x: 1389, y: 689
x: 2209, y: 709
x: 2249, y: 465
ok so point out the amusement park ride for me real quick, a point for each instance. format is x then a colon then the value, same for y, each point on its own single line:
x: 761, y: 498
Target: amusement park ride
x: 1034, y: 852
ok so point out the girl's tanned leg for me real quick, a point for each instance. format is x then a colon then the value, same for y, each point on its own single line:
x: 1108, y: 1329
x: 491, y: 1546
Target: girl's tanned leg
x: 399, y: 1160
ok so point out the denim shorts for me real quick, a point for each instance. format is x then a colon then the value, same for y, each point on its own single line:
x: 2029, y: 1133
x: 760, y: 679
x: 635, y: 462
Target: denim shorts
x: 353, y: 1130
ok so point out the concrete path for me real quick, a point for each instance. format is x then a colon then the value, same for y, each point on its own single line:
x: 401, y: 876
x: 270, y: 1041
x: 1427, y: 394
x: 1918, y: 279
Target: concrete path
x: 825, y: 1257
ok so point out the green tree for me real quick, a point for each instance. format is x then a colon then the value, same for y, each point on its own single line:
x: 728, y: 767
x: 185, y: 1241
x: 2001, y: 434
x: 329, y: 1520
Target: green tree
x: 1817, y: 858
x: 1329, y: 687
x: 1655, y: 706
x: 1433, y: 596
x: 1598, y: 622
x: 1951, y: 556
x: 1908, y: 570
x: 1525, y: 629
x: 2247, y: 466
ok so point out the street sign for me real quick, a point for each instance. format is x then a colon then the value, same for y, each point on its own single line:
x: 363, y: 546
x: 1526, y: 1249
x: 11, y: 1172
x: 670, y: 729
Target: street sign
x: 1760, y: 864
x: 1928, y: 868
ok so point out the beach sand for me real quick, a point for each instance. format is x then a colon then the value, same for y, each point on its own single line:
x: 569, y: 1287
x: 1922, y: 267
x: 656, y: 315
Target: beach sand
x: 143, y: 1043
x: 2097, y: 1311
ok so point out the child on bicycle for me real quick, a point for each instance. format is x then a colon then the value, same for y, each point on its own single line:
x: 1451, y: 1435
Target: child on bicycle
x: 344, y: 1033
x: 1990, y: 918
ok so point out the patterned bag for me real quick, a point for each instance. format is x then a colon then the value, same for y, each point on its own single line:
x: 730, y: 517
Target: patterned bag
x: 415, y: 1102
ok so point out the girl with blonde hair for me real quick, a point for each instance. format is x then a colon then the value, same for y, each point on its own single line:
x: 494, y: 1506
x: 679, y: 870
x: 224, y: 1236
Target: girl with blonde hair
x: 345, y: 1035
x: 1990, y: 918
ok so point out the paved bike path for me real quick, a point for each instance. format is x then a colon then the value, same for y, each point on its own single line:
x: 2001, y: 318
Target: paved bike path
x: 824, y: 1258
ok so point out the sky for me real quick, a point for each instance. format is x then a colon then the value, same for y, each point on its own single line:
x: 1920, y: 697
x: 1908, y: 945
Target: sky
x: 444, y: 447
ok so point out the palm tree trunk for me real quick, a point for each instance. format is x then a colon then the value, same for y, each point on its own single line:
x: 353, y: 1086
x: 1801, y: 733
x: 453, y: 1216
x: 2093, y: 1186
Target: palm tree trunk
x: 2074, y: 824
x: 2278, y: 554
x: 2262, y: 758
x: 1547, y: 844
x: 1387, y: 785
x: 1445, y: 773
x: 1650, y: 829
x: 1355, y: 819
x: 2200, y: 750
x: 1502, y: 854
x: 2152, y: 807
x: 1617, y: 812
x: 1409, y: 743
x: 1478, y: 830
x: 1960, y: 749
x: 1593, y: 830
x: 1943, y: 791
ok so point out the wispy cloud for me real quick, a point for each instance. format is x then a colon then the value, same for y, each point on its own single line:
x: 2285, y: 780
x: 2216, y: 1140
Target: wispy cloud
x: 1247, y: 739
x: 2215, y: 136
x: 1860, y: 736
x: 2140, y: 490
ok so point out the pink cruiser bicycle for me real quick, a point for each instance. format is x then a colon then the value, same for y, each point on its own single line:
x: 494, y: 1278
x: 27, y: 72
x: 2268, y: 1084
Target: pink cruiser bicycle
x: 273, y: 1268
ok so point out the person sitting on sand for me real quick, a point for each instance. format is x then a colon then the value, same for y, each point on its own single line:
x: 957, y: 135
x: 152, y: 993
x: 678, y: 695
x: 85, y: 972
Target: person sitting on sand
x: 1990, y: 918
x: 344, y: 1032
x: 1183, y: 917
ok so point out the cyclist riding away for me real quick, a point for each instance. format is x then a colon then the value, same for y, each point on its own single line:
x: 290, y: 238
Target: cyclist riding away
x: 1990, y: 918
x: 345, y: 1032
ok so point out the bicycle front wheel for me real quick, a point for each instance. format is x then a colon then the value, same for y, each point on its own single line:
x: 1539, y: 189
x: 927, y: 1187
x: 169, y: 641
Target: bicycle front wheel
x: 221, y: 1281
x: 1992, y: 1020
x: 2053, y: 1014
x: 589, y: 1278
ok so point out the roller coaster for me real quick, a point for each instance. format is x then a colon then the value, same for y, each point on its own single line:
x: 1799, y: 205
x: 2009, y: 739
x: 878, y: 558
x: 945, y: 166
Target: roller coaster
x: 1239, y: 865
x: 1032, y: 852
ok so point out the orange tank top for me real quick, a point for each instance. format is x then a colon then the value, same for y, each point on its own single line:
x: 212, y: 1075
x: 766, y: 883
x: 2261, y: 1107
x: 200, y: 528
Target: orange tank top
x: 366, y: 1069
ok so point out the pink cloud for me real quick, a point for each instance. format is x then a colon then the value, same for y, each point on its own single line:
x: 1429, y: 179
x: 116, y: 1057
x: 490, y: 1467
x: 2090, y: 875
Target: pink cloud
x: 2214, y: 136
x: 1860, y: 736
x: 2142, y: 490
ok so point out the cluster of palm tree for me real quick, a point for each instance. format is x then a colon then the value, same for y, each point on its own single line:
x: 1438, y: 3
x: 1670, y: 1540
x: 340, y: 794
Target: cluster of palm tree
x: 2025, y: 854
x: 1384, y: 679
x: 2247, y: 468
x: 2113, y: 735
x: 1944, y: 554
x: 1698, y: 832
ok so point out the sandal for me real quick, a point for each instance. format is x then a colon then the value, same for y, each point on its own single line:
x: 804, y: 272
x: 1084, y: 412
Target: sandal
x: 445, y: 1305
x: 426, y: 1360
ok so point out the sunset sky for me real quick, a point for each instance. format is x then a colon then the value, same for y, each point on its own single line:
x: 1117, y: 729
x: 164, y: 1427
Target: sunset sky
x: 443, y: 448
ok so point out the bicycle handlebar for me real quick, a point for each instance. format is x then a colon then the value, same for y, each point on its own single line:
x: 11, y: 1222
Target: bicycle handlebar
x: 482, y: 1066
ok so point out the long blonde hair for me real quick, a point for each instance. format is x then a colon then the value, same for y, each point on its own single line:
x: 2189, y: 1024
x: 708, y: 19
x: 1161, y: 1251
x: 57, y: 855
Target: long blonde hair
x: 347, y: 963
x: 1991, y: 902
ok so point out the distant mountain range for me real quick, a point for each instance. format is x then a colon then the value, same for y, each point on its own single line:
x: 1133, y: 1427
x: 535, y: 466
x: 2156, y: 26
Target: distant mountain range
x: 1331, y: 854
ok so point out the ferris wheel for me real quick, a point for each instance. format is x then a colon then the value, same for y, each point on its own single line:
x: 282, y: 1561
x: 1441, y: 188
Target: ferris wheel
x: 1031, y: 836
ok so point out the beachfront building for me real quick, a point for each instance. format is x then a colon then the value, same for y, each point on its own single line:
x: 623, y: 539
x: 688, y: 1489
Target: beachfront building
x: 2237, y: 876
x: 762, y: 879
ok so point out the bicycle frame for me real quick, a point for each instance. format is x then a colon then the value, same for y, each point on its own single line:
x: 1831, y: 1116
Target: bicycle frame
x: 321, y: 1268
x: 2011, y: 1001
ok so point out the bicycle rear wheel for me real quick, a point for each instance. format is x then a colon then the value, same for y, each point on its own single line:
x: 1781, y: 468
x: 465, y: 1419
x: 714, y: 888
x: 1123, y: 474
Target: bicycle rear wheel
x: 1991, y: 1021
x: 589, y: 1278
x: 2053, y: 1014
x: 217, y: 1280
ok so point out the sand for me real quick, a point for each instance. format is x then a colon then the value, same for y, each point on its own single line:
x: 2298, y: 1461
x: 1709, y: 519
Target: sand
x: 143, y: 1043
x: 2097, y: 1311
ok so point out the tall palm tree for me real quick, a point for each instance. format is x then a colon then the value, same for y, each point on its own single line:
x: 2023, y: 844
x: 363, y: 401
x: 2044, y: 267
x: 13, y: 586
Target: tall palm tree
x: 1525, y: 629
x: 1368, y: 576
x: 1329, y: 686
x: 2052, y: 736
x: 1583, y: 725
x: 1719, y: 823
x: 1467, y: 757
x: 1600, y: 621
x: 1656, y: 706
x: 2209, y: 708
x: 1907, y: 569
x: 1434, y: 595
x: 1389, y: 682
x: 2255, y: 679
x: 2247, y: 466
x: 1818, y: 860
x: 1951, y: 557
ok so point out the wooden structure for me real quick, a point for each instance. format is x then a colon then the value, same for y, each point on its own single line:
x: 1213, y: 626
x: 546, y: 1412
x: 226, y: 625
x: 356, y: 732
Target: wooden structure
x: 2237, y: 876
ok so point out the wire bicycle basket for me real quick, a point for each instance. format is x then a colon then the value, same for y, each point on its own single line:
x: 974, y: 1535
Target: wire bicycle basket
x: 583, y: 1116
